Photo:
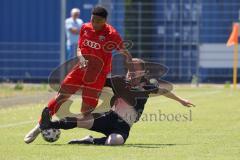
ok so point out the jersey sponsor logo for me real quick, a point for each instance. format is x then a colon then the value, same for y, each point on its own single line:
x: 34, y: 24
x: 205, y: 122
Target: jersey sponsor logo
x: 92, y: 44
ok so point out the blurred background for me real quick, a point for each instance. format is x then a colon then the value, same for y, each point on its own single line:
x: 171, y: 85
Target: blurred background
x: 188, y: 36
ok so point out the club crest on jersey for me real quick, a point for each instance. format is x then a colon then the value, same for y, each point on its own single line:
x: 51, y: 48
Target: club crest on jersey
x: 101, y: 38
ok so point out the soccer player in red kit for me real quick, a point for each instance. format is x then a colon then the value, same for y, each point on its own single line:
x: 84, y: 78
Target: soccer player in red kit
x: 96, y: 42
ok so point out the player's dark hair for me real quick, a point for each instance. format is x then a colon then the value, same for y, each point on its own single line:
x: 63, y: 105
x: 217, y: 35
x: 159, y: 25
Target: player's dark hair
x: 100, y: 11
x: 143, y: 66
x: 140, y: 61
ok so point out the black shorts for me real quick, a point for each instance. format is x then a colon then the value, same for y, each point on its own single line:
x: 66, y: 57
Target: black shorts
x: 108, y: 123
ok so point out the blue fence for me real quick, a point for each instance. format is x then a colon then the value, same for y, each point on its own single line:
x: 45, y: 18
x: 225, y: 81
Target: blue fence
x: 30, y: 36
x: 187, y: 36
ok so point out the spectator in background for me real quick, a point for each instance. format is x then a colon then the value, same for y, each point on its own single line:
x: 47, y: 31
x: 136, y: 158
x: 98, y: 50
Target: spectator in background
x: 73, y: 25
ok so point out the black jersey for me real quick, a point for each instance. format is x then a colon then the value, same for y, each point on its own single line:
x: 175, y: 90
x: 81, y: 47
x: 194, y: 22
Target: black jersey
x: 136, y: 97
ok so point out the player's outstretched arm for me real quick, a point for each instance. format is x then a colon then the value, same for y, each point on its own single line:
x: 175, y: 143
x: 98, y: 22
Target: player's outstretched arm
x: 184, y: 102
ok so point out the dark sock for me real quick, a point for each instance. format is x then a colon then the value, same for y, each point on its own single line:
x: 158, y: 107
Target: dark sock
x: 65, y: 123
x: 100, y: 141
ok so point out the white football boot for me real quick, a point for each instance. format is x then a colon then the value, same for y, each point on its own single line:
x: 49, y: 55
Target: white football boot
x: 32, y: 135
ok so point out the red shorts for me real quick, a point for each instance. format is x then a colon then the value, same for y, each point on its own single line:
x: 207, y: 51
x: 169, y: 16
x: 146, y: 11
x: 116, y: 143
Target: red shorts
x: 89, y: 82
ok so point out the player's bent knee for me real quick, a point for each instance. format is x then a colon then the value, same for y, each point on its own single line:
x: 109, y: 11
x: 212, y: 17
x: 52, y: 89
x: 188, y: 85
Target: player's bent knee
x: 114, y: 139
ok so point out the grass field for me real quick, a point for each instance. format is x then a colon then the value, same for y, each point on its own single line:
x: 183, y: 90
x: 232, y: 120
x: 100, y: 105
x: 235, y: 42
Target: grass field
x: 213, y: 132
x: 10, y: 90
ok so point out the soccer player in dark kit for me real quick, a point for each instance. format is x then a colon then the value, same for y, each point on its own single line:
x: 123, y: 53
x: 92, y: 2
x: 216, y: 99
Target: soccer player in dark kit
x: 96, y: 42
x: 127, y: 105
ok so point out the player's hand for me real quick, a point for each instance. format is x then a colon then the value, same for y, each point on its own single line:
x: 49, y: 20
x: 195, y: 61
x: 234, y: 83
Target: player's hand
x: 82, y: 62
x: 186, y: 103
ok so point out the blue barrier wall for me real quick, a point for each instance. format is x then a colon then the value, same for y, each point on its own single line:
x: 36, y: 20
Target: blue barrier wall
x: 171, y: 32
x: 183, y: 27
x: 30, y: 36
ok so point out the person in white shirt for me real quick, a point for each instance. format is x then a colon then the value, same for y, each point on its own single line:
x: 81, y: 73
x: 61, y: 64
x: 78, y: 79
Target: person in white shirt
x: 72, y: 26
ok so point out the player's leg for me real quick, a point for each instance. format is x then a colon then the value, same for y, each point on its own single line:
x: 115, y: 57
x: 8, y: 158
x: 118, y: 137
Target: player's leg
x: 53, y: 105
x: 70, y: 85
x: 32, y: 135
x: 119, y: 132
x: 91, y: 93
x: 89, y: 100
x: 112, y: 139
x: 115, y: 129
x: 72, y: 122
x: 67, y: 122
x: 94, y: 79
x: 97, y: 122
x: 102, y: 124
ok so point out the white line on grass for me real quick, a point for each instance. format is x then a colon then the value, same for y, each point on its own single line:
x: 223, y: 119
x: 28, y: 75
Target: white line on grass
x: 16, y: 124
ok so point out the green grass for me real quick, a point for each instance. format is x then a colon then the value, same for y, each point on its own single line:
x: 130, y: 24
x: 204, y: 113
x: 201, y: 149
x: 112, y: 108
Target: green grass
x: 213, y: 133
x: 10, y: 90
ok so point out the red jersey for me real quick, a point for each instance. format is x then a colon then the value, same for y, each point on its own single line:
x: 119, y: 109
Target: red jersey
x: 99, y: 44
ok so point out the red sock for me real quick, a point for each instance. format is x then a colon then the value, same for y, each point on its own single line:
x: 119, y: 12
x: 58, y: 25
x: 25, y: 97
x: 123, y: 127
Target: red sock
x: 54, y: 105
